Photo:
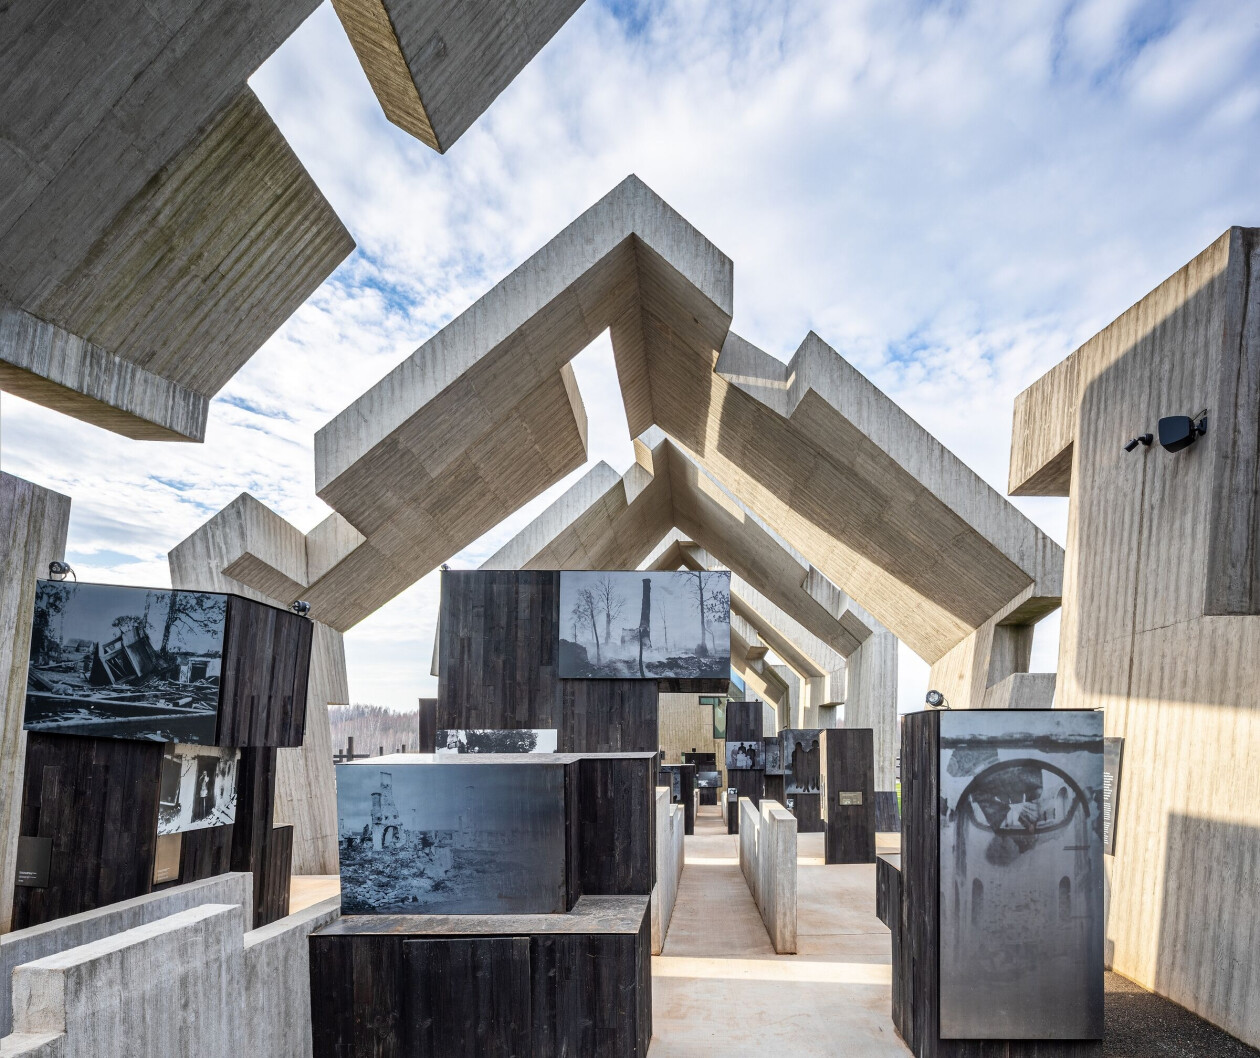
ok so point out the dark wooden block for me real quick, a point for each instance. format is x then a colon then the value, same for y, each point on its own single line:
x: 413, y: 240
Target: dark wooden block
x: 408, y: 985
x: 848, y: 763
x: 277, y: 868
x: 774, y: 789
x: 808, y: 811
x: 744, y: 721
x: 262, y: 688
x: 609, y: 716
x: 686, y: 791
x: 97, y: 799
x: 252, y: 832
x: 467, y: 997
x: 887, y: 814
x: 205, y: 853
x: 748, y: 783
x: 427, y: 727
x: 887, y: 875
x: 617, y: 824
x: 916, y: 984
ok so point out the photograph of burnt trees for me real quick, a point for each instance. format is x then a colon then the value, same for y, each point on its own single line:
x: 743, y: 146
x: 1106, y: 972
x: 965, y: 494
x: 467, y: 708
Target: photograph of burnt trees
x: 629, y: 624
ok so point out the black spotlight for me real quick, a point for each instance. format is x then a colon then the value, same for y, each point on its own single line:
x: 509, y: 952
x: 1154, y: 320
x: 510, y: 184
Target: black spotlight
x: 1180, y: 431
x: 935, y: 700
x: 1143, y: 439
x: 302, y: 609
x: 58, y: 570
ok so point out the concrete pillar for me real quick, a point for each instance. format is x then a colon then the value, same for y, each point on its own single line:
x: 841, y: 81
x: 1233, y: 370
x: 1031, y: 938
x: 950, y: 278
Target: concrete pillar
x: 871, y: 700
x: 33, y: 525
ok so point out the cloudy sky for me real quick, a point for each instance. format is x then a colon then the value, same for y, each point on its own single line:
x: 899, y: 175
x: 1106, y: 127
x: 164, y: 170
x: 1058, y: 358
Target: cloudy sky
x: 954, y: 195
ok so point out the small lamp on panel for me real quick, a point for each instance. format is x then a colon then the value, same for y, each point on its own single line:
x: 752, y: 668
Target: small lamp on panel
x: 58, y: 570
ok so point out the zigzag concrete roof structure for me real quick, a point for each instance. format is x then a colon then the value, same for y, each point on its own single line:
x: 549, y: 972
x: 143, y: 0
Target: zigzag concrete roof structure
x: 481, y: 418
x: 155, y: 226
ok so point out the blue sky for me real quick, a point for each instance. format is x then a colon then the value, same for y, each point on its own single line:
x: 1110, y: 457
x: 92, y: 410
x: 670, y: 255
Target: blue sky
x: 954, y: 195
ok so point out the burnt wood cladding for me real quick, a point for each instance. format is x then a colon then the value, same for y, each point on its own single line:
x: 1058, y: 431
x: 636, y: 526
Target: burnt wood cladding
x: 427, y: 726
x: 205, y: 853
x: 848, y: 768
x: 253, y: 835
x: 807, y: 807
x: 916, y: 933
x: 744, y: 724
x: 498, y: 637
x: 773, y: 787
x: 266, y: 661
x: 887, y: 813
x: 452, y: 986
x: 97, y: 799
x: 686, y: 791
x: 616, y: 824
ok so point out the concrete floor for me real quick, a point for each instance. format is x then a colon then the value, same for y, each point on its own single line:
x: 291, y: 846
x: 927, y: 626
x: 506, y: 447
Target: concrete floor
x: 719, y: 988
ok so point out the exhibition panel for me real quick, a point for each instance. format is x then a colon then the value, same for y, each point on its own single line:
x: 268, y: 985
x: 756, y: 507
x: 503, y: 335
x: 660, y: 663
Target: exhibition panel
x: 848, y: 795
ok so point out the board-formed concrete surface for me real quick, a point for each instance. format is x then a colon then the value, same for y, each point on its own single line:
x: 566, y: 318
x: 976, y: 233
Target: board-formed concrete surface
x: 155, y: 227
x: 1161, y: 619
x: 826, y: 460
x: 33, y: 526
x: 436, y: 66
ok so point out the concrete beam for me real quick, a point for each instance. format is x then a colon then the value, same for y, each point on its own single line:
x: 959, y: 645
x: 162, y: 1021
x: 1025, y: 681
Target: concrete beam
x: 435, y: 66
x: 155, y: 226
x: 829, y: 463
x: 33, y: 526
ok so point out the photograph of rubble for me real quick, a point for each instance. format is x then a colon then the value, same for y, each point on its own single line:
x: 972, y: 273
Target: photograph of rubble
x: 447, y: 838
x: 119, y: 662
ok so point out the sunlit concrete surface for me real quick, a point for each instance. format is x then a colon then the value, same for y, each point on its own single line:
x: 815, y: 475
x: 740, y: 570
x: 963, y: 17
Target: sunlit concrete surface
x: 719, y: 984
x: 306, y: 890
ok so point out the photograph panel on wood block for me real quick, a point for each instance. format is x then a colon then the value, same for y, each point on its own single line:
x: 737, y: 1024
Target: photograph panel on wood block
x: 198, y: 788
x: 442, y: 838
x: 743, y: 756
x: 109, y: 661
x: 773, y: 755
x: 708, y: 780
x: 1021, y: 880
x: 802, y: 761
x: 523, y: 740
x: 631, y: 624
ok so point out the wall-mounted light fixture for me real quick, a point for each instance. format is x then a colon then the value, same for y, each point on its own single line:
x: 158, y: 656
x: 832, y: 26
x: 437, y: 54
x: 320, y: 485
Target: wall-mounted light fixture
x: 935, y: 700
x: 1143, y: 439
x: 1181, y: 431
x: 58, y: 570
x: 302, y: 609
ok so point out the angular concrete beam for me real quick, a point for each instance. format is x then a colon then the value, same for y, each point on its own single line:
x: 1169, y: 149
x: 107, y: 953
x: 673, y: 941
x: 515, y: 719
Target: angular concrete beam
x: 436, y: 66
x: 829, y: 463
x: 155, y: 227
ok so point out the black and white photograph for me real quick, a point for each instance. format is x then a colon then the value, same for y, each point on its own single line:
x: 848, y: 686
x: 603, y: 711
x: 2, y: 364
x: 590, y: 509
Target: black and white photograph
x: 198, y: 788
x: 743, y: 756
x: 484, y: 740
x: 444, y: 838
x: 1021, y: 874
x: 117, y: 662
x: 631, y: 624
x: 672, y: 778
x: 708, y: 780
x: 802, y: 761
x: 772, y: 755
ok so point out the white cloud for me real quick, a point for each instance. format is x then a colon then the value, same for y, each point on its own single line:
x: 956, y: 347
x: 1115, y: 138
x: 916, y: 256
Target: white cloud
x: 953, y: 195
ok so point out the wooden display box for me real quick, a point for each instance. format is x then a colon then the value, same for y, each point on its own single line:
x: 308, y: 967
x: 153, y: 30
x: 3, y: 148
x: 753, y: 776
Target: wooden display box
x: 686, y: 795
x: 995, y: 906
x: 447, y: 986
x: 848, y: 798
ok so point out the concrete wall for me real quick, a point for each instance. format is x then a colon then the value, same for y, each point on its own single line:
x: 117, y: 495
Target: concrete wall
x: 870, y: 700
x: 1158, y: 629
x: 767, y: 858
x: 51, y: 938
x: 670, y: 829
x: 33, y: 523
x: 190, y: 984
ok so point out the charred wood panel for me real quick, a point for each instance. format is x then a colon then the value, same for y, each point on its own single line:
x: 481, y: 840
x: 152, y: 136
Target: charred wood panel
x: 848, y: 767
x: 609, y: 716
x: 773, y: 785
x: 252, y: 833
x: 467, y: 997
x: 97, y: 799
x: 743, y: 721
x: 749, y: 783
x: 427, y: 728
x: 808, y: 811
x: 276, y: 870
x: 617, y: 825
x: 266, y: 661
x: 205, y: 853
x: 358, y: 996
